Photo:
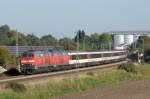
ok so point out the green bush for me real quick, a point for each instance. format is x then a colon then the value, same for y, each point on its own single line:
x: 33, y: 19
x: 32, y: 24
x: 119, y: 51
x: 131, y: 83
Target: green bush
x: 128, y: 67
x: 17, y: 87
x: 5, y: 56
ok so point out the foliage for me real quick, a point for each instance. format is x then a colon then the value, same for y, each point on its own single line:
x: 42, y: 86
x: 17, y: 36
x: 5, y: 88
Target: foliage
x: 8, y: 37
x: 129, y: 67
x: 32, y: 40
x: 67, y: 43
x: 4, y: 40
x: 17, y: 87
x: 105, y: 39
x: 147, y: 42
x: 49, y: 40
x: 90, y: 73
x: 4, y: 29
x: 94, y: 38
x: 5, y: 56
x: 80, y: 36
x: 4, y: 35
x: 144, y: 41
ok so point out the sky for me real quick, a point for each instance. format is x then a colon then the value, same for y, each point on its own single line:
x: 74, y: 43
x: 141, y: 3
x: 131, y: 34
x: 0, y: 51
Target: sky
x: 65, y: 17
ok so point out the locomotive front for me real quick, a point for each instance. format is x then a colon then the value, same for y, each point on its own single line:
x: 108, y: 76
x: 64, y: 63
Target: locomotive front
x: 27, y: 63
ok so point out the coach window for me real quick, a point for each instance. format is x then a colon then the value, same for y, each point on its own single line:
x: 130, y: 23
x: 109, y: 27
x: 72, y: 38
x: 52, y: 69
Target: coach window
x: 82, y: 56
x: 115, y: 54
x: 112, y: 54
x: 100, y: 55
x: 74, y: 57
x: 95, y: 55
x: 122, y: 53
x: 106, y: 55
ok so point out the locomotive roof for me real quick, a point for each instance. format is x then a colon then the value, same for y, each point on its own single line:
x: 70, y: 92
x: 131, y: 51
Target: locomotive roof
x: 57, y: 51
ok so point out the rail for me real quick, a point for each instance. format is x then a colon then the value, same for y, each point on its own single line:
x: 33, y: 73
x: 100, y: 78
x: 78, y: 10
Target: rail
x: 60, y: 72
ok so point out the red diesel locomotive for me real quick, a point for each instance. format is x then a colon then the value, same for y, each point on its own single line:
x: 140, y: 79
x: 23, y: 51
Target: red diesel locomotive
x: 37, y: 61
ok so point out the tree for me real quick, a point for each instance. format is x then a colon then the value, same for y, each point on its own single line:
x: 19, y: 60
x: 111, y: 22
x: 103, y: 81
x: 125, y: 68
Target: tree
x: 80, y: 36
x: 21, y: 39
x: 32, y: 40
x: 5, y: 56
x: 4, y: 29
x: 105, y: 39
x: 49, y: 40
x: 4, y: 40
x: 67, y: 43
x: 95, y: 37
x: 95, y: 41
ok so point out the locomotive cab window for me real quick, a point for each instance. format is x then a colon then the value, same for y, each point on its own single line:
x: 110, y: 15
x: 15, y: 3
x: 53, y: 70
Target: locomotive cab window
x: 28, y: 54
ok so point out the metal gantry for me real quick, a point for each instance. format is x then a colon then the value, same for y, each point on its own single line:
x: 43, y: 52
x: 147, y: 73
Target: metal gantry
x: 130, y: 32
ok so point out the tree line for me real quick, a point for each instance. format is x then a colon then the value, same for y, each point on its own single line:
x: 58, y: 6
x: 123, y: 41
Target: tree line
x: 83, y: 41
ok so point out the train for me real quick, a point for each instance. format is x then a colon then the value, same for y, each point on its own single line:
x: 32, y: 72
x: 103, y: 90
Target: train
x: 39, y: 61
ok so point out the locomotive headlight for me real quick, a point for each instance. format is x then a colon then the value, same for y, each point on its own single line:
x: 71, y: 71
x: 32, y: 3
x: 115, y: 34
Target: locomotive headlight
x: 32, y: 61
x: 27, y: 61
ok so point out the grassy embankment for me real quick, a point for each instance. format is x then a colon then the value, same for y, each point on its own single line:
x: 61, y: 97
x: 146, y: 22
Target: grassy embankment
x: 75, y: 84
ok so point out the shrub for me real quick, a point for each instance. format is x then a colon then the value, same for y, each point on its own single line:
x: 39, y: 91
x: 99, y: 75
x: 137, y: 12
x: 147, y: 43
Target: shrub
x: 5, y: 56
x: 129, y: 67
x: 90, y: 73
x: 17, y: 87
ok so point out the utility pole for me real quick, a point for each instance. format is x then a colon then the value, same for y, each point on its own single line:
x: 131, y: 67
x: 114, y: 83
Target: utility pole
x: 84, y: 43
x: 143, y: 49
x: 17, y: 51
x: 77, y: 57
x: 109, y: 46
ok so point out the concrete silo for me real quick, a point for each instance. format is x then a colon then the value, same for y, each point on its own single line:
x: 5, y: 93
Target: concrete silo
x: 118, y: 40
x: 128, y: 39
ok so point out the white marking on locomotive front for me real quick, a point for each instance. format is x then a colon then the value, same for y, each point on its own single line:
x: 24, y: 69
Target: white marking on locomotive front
x: 26, y: 61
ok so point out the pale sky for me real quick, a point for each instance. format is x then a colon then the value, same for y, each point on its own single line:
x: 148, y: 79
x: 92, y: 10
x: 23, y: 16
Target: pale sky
x: 65, y: 17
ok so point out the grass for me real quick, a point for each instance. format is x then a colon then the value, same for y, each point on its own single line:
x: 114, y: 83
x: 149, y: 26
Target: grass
x: 77, y: 84
x: 17, y: 87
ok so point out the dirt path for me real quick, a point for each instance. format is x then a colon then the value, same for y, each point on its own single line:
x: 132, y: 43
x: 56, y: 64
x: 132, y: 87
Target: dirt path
x: 125, y: 90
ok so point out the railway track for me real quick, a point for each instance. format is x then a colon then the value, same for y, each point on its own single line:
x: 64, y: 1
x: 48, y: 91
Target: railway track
x: 36, y: 76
